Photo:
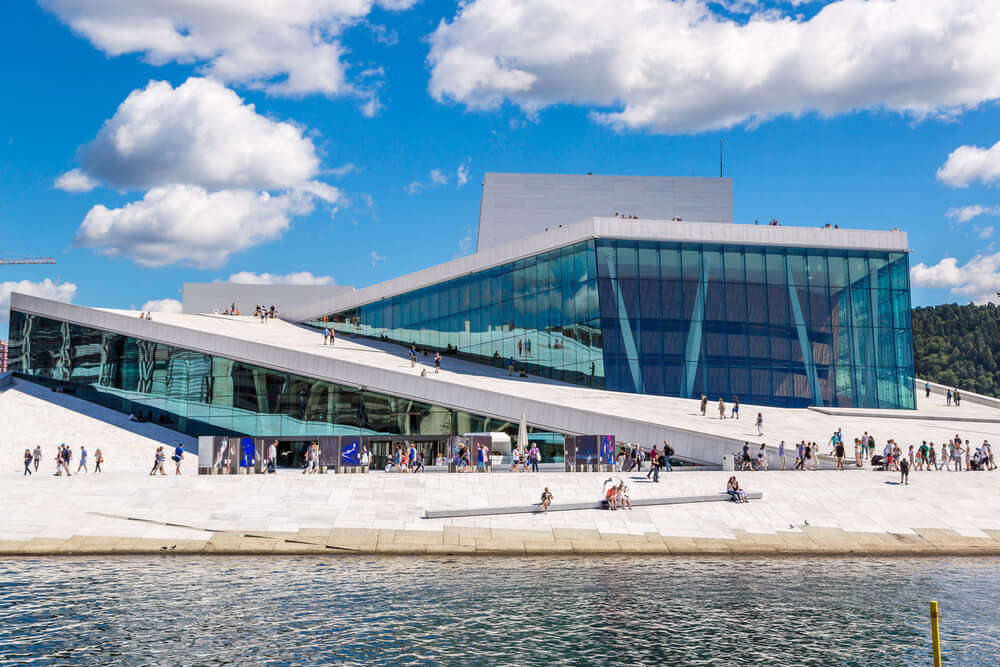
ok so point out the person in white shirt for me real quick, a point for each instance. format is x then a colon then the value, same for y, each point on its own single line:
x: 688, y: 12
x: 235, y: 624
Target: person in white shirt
x: 271, y: 458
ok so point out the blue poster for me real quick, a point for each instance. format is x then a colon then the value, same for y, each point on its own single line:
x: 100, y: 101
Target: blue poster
x: 608, y: 449
x: 350, y: 453
x: 247, y: 452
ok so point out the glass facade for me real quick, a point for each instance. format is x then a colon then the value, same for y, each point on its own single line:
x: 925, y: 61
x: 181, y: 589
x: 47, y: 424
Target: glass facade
x: 542, y: 311
x: 202, y: 394
x: 788, y: 327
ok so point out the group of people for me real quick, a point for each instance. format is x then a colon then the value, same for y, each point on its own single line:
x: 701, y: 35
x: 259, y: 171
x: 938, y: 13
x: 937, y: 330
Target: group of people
x: 264, y: 313
x: 160, y: 457
x: 144, y: 315
x: 623, y: 216
x: 463, y: 458
x: 631, y: 457
x: 64, y: 460
x: 522, y: 458
x: 408, y: 460
x: 617, y: 497
x: 734, y: 412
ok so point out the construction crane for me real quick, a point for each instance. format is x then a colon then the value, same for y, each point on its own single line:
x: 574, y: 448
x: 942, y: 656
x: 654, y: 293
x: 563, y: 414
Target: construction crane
x: 27, y: 260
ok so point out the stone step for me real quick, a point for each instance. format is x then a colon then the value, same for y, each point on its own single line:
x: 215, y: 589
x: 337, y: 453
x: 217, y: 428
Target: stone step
x: 568, y: 507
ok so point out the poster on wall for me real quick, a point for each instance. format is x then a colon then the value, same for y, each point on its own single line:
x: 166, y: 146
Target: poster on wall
x: 350, y: 451
x: 221, y: 454
x: 587, y: 449
x: 608, y: 449
x: 248, y: 453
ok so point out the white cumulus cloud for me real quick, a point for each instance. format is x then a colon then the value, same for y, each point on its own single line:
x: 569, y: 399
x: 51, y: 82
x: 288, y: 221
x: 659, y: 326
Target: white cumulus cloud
x: 162, y: 306
x: 438, y: 177
x: 75, y: 180
x: 285, y: 48
x: 969, y: 164
x: 199, y: 132
x: 677, y: 66
x: 187, y: 224
x: 977, y: 280
x: 966, y: 213
x: 45, y: 289
x: 462, y: 174
x: 297, y: 278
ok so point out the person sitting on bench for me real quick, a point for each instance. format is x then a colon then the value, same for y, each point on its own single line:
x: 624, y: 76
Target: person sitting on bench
x: 737, y: 494
x: 546, y: 499
x: 611, y: 495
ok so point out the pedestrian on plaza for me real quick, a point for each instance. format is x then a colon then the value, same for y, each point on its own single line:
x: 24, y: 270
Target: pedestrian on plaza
x: 760, y: 424
x: 510, y: 366
x: 735, y: 413
x: 722, y: 409
x: 932, y: 457
x: 746, y: 463
x: 762, y: 458
x: 927, y: 390
x: 704, y: 404
x: 37, y: 456
x: 158, y: 460
x: 546, y: 500
x: 904, y: 472
x: 958, y: 398
x: 781, y: 455
x: 640, y: 456
x: 968, y: 451
x: 800, y: 456
x: 665, y: 455
x: 948, y: 398
x: 838, y: 451
x: 67, y: 458
x: 333, y: 337
x: 534, y: 455
x: 98, y: 460
x: 656, y: 465
x: 437, y: 362
x: 807, y: 456
x: 419, y: 465
x: 481, y: 459
x: 28, y: 458
x: 59, y: 460
x: 178, y: 457
x: 83, y: 460
x: 413, y: 355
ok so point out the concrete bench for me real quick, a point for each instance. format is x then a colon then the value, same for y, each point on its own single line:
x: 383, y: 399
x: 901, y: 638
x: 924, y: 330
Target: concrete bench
x: 569, y: 507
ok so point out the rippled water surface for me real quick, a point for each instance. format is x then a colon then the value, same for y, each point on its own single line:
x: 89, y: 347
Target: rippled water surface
x: 197, y: 610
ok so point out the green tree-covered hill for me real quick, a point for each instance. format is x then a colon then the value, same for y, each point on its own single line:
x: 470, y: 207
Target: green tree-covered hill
x: 958, y: 346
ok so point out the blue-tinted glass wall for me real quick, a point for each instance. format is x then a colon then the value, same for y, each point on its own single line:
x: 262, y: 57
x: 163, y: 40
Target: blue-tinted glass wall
x: 205, y: 394
x: 774, y: 326
x: 543, y: 311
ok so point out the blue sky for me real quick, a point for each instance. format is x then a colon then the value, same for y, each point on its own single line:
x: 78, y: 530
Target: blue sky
x: 521, y: 85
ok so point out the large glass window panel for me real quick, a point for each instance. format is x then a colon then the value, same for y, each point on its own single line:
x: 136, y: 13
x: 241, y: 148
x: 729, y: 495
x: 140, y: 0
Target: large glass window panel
x: 649, y: 261
x: 691, y: 265
x: 627, y: 260
x: 838, y: 269
x: 796, y: 261
x: 774, y: 261
x: 670, y: 263
x: 816, y: 266
x: 733, y: 260
x: 754, y: 259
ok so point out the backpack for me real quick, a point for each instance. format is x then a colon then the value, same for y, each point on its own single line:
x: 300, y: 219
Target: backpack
x: 669, y: 450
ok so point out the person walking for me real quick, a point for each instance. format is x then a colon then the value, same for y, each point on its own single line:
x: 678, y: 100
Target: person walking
x: 272, y: 457
x: 927, y: 390
x: 704, y: 404
x: 838, y: 451
x: 781, y: 455
x: 413, y: 355
x: 534, y: 455
x: 28, y: 458
x: 333, y: 337
x: 83, y: 461
x: 437, y: 362
x: 665, y: 455
x: 158, y: 460
x: 178, y: 457
x: 98, y: 460
x: 722, y: 408
x: 760, y: 424
x: 735, y: 413
x: 657, y: 464
x: 800, y: 456
x: 510, y: 366
x: 947, y: 398
x: 67, y: 458
x: 37, y: 456
x: 904, y: 471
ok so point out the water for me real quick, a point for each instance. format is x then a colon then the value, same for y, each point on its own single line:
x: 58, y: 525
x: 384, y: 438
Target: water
x: 364, y: 610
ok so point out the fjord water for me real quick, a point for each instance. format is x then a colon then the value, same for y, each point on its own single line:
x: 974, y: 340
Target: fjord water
x: 198, y: 610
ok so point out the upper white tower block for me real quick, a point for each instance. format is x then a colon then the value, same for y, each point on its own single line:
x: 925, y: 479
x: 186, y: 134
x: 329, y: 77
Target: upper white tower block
x: 514, y: 206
